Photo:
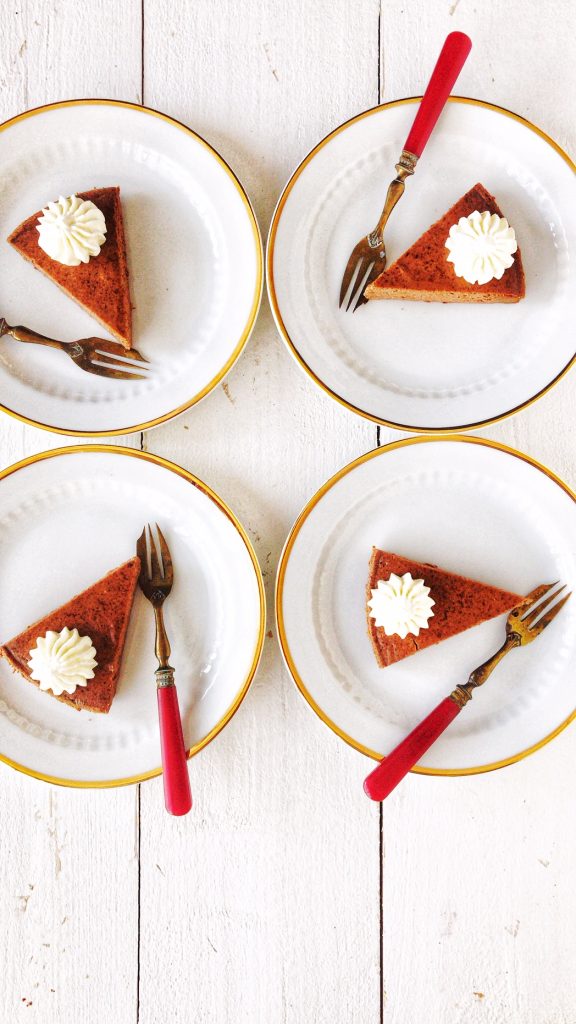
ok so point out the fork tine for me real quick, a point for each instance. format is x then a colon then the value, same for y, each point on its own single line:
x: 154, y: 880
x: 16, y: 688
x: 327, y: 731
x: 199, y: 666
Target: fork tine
x: 343, y: 287
x: 103, y: 369
x: 106, y: 371
x: 103, y: 359
x: 531, y: 598
x: 142, y: 551
x: 155, y: 567
x: 128, y: 369
x: 114, y: 348
x: 550, y: 615
x: 539, y: 592
x: 360, y: 283
x: 352, y: 281
x: 134, y: 355
x: 349, y: 274
x: 376, y: 268
x: 165, y: 551
x: 358, y: 286
x: 125, y: 361
x: 534, y: 613
x: 361, y: 299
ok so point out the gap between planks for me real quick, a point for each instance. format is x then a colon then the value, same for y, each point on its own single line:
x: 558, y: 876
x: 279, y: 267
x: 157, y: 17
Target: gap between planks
x: 139, y: 784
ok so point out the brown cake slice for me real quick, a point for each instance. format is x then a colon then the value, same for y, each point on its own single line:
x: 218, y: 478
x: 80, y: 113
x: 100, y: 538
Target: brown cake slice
x: 423, y: 272
x: 460, y: 603
x: 101, y: 612
x: 100, y: 286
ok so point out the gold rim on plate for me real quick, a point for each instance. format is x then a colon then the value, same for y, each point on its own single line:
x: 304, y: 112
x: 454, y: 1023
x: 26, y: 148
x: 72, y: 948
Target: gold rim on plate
x: 228, y: 714
x: 291, y: 344
x: 248, y: 327
x: 285, y: 556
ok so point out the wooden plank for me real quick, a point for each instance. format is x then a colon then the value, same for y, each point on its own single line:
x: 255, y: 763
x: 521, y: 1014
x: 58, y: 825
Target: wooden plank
x: 478, y: 901
x: 276, y: 870
x: 69, y: 884
x: 69, y: 898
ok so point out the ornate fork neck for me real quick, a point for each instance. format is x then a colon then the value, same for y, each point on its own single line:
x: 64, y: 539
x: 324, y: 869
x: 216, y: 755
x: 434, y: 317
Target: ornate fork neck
x: 162, y: 646
x: 462, y: 694
x: 164, y: 673
x: 24, y: 334
x: 404, y: 168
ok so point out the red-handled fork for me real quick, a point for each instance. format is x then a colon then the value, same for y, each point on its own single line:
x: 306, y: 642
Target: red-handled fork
x: 156, y: 584
x: 368, y: 258
x: 524, y: 624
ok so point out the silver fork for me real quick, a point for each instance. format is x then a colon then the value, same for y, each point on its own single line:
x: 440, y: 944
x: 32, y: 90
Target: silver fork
x: 525, y: 622
x: 95, y: 355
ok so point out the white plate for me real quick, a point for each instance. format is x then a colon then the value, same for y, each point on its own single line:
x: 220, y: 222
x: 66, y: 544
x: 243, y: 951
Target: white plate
x: 194, y: 252
x: 414, y: 365
x: 473, y: 507
x: 70, y: 515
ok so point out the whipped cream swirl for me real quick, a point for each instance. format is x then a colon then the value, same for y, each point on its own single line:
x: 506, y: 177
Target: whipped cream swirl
x: 401, y: 605
x: 481, y: 247
x: 71, y: 230
x: 62, y: 661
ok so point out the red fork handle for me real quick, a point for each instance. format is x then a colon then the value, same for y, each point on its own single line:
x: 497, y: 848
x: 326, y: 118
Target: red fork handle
x: 177, y: 795
x: 396, y: 765
x: 448, y: 67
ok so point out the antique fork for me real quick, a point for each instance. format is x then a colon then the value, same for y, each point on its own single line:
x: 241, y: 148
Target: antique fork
x: 95, y: 355
x: 368, y: 258
x: 156, y: 583
x: 524, y: 624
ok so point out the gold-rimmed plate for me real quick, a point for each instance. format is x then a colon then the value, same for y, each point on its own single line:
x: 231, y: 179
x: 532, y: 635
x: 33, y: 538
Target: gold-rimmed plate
x: 194, y: 252
x: 473, y: 507
x: 70, y: 515
x: 418, y: 366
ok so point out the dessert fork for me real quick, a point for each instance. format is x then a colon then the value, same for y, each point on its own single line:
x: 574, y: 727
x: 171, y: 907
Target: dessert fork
x: 156, y: 583
x: 524, y: 624
x: 368, y: 258
x: 95, y: 355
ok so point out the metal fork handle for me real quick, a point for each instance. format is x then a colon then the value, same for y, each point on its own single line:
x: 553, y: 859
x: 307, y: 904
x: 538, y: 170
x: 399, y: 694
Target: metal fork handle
x: 21, y: 333
x: 462, y: 694
x: 396, y: 765
x: 177, y: 792
x: 404, y: 168
x: 162, y: 646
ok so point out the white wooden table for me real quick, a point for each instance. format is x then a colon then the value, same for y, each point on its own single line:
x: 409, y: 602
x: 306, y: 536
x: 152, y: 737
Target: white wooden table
x: 286, y: 896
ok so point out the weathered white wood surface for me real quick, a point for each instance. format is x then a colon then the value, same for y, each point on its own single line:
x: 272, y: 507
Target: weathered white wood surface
x: 264, y: 904
x: 479, y: 895
x: 69, y: 877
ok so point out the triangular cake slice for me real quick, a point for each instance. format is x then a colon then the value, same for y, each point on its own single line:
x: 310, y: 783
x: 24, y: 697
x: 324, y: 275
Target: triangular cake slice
x: 460, y: 603
x: 101, y: 612
x: 423, y: 272
x: 100, y: 286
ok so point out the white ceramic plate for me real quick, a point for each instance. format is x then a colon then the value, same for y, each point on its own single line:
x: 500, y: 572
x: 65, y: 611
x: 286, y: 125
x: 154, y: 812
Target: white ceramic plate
x: 414, y: 365
x: 195, y: 259
x: 69, y: 516
x: 472, y: 507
